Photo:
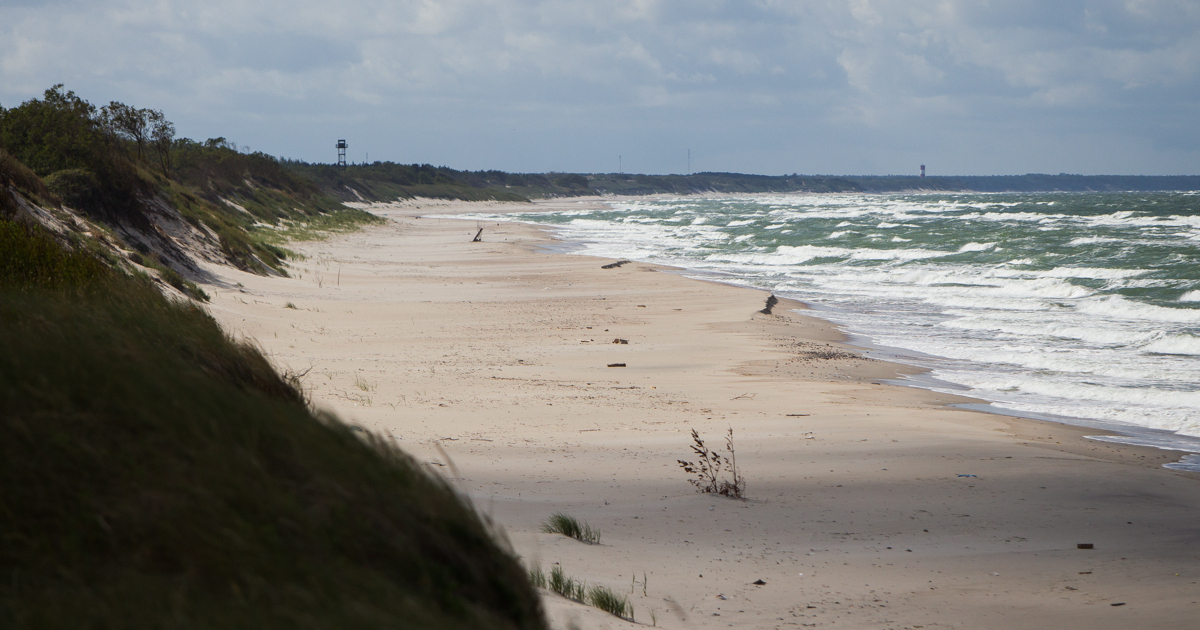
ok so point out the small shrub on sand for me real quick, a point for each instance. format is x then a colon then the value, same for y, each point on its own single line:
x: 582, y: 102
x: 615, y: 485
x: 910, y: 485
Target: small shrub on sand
x: 710, y: 466
x: 569, y: 526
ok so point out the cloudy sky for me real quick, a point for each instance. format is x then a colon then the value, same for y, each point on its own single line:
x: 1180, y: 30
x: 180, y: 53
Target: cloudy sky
x: 758, y: 86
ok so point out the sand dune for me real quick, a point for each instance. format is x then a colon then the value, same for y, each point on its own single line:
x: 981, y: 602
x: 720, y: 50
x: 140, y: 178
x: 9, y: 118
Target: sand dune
x: 869, y: 505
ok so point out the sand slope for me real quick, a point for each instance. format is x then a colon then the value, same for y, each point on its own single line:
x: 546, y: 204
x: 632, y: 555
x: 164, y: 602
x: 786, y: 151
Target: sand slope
x: 489, y: 360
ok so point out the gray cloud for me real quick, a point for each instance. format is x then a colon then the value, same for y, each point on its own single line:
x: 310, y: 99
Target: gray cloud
x: 767, y: 86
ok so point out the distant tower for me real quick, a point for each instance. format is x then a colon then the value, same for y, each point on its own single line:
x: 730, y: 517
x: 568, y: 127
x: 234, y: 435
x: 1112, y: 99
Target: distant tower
x: 922, y: 171
x: 341, y: 147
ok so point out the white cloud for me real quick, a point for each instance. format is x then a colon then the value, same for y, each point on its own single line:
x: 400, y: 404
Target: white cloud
x: 511, y: 76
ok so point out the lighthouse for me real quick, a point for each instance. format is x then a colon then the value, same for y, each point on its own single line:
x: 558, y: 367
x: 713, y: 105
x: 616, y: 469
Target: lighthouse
x: 922, y: 171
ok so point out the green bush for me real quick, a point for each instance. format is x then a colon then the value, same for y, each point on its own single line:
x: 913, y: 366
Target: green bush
x: 77, y: 187
x: 62, y: 132
x: 15, y: 174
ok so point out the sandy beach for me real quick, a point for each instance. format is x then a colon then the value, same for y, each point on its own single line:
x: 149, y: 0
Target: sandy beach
x: 869, y: 505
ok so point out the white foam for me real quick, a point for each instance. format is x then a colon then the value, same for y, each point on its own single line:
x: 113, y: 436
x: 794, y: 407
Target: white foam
x: 1190, y: 296
x: 1091, y: 240
x: 1118, y: 307
x: 1186, y: 344
x: 1037, y: 327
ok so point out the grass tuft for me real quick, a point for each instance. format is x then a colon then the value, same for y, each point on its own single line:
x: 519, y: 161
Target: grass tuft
x: 566, y: 585
x: 610, y: 602
x: 537, y: 577
x: 601, y: 597
x: 570, y: 527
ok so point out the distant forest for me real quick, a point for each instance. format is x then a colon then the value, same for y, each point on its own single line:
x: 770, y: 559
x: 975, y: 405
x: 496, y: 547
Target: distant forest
x: 381, y: 180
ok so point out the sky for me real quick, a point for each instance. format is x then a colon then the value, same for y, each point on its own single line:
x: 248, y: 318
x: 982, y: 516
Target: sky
x: 983, y: 87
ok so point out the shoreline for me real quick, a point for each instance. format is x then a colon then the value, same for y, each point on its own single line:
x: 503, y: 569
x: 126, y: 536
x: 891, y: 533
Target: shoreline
x: 1131, y: 435
x: 479, y: 357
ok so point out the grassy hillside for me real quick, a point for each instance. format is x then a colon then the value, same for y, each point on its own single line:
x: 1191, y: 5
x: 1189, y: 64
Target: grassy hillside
x: 155, y: 473
x: 123, y: 168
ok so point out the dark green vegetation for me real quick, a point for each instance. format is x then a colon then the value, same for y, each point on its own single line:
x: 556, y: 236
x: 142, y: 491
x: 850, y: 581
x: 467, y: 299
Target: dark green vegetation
x: 387, y: 181
x: 384, y: 181
x: 154, y: 473
x: 123, y: 168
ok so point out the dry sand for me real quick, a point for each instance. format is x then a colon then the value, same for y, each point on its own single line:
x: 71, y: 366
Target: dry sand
x: 489, y: 360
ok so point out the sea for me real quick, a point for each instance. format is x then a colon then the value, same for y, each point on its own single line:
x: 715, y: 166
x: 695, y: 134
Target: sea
x: 1076, y: 307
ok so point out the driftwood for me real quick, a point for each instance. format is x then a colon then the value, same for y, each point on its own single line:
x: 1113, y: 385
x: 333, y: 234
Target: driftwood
x: 615, y: 264
x: 478, y: 236
x: 771, y: 302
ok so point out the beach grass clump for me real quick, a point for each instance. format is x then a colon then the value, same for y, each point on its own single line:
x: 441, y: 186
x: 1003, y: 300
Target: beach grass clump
x: 566, y: 585
x: 537, y: 577
x: 569, y: 526
x: 610, y: 602
x: 601, y: 597
x: 711, y: 468
x: 154, y: 472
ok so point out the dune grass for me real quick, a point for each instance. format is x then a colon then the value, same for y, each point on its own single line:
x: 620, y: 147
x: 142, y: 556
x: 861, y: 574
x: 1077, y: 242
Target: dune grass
x: 601, y: 597
x: 155, y: 473
x: 566, y: 585
x: 569, y: 526
x: 537, y: 577
x: 610, y: 602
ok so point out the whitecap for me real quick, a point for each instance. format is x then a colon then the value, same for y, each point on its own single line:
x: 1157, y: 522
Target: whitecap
x: 1118, y: 307
x: 1175, y: 344
x: 1090, y: 240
